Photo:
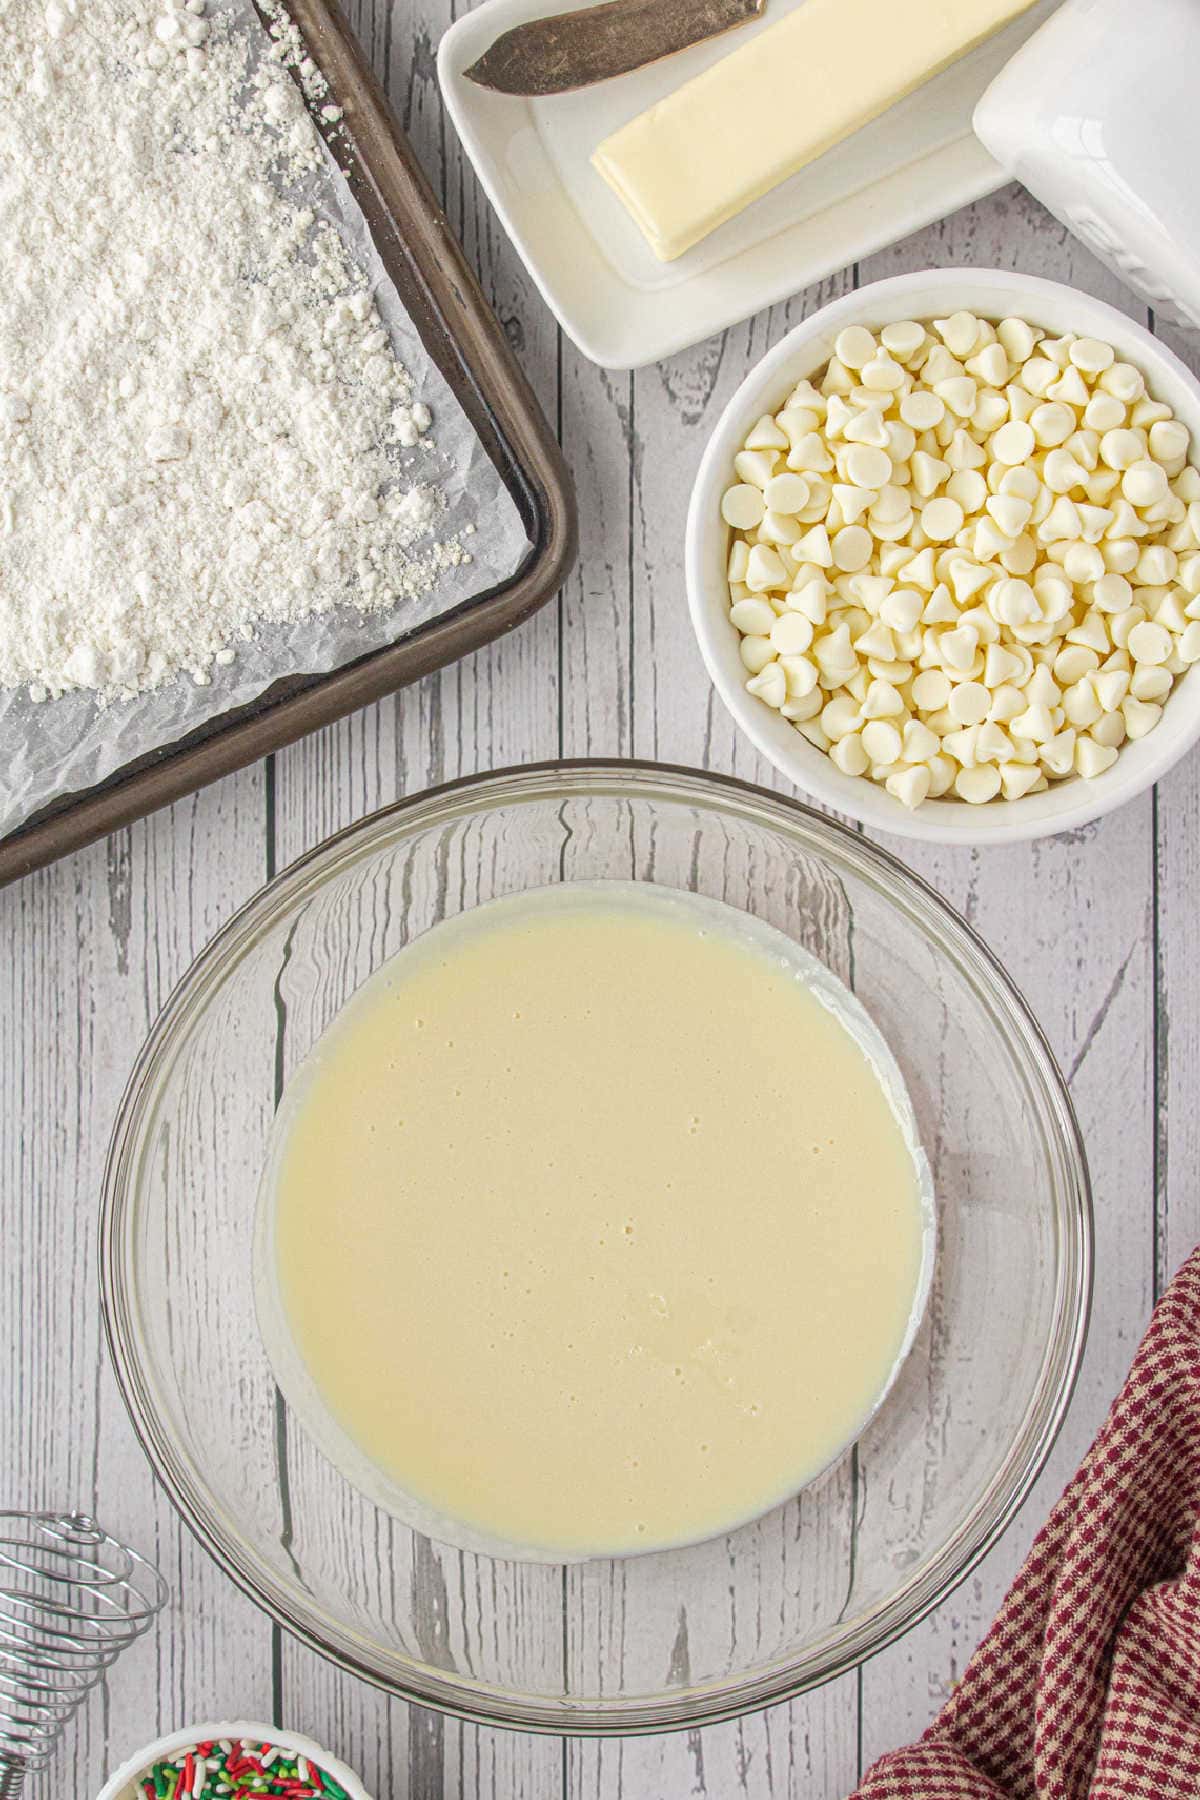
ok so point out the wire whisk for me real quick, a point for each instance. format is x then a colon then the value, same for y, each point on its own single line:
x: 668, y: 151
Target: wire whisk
x: 71, y: 1599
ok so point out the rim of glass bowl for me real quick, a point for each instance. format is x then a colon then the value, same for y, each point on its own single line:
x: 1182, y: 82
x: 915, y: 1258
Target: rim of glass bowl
x: 708, y: 1702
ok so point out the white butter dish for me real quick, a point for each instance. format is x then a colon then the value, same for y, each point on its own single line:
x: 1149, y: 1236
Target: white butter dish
x: 609, y: 292
x: 1097, y: 116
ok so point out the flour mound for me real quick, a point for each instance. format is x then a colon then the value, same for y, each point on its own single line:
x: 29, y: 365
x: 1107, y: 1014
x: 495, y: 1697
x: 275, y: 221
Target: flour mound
x: 202, y: 421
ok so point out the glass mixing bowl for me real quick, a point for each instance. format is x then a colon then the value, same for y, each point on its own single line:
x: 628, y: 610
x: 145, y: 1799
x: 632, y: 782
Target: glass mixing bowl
x: 778, y: 1606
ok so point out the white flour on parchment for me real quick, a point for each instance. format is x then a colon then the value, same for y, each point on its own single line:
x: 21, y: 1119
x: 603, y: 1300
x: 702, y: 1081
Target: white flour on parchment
x: 214, y: 468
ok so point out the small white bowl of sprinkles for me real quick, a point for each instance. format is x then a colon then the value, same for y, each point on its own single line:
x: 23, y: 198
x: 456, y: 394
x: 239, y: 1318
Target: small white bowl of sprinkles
x: 241, y: 1761
x: 943, y: 557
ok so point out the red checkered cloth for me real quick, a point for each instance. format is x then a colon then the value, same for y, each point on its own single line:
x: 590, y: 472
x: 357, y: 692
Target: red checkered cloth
x: 1088, y: 1683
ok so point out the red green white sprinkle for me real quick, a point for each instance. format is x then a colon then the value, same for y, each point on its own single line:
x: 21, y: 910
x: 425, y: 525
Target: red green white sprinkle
x: 238, y: 1771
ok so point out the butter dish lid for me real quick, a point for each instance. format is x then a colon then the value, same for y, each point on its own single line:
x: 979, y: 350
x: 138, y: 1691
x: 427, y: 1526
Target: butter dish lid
x: 1098, y: 116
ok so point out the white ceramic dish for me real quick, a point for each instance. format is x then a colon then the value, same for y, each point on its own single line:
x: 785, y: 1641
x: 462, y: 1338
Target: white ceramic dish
x: 992, y: 293
x: 624, y: 308
x: 1095, y: 116
x: 120, y: 1785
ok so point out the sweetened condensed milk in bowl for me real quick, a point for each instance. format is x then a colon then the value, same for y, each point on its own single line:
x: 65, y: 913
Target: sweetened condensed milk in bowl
x: 622, y: 1192
x: 520, y: 1229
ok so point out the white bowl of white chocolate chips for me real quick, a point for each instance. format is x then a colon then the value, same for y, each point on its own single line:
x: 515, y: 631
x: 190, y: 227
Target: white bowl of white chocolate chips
x: 943, y: 556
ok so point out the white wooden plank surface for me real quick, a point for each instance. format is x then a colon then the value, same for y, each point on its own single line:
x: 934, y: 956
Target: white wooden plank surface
x: 90, y: 949
x: 1082, y: 951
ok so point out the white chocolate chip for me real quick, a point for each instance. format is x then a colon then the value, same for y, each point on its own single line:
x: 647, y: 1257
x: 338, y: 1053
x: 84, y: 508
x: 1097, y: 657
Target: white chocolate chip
x: 835, y: 654
x: 1081, y: 706
x: 1074, y: 662
x: 848, y: 755
x: 1013, y: 444
x: 1123, y: 624
x: 754, y: 618
x: 810, y: 599
x: 852, y: 549
x: 921, y: 410
x: 756, y: 653
x: 876, y: 641
x: 814, y: 547
x: 1058, y: 753
x: 1035, y: 723
x: 881, y: 741
x: 803, y: 678
x: 1070, y: 389
x: 770, y: 684
x: 882, y: 375
x: 867, y: 467
x: 931, y: 690
x: 977, y: 785
x: 1018, y: 339
x: 960, y: 333
x: 1018, y: 778
x: 1149, y: 643
x: 1092, y: 758
x: 882, y: 702
x: 993, y: 743
x: 841, y: 716
x: 1157, y: 565
x: 903, y: 339
x: 1170, y: 440
x: 957, y: 648
x: 919, y: 744
x: 855, y: 347
x: 1013, y: 602
x: 786, y: 493
x: 1111, y: 687
x: 1144, y: 483
x: 743, y: 507
x: 1171, y: 610
x: 767, y: 435
x: 853, y: 502
x: 1189, y: 642
x: 1140, y: 717
x: 940, y: 608
x: 959, y: 393
x: 791, y: 634
x: 941, y: 519
x: 1083, y: 563
x: 1001, y: 666
x: 1090, y: 355
x: 1010, y: 512
x: 765, y: 569
x: 1126, y: 382
x: 910, y: 786
x: 969, y: 703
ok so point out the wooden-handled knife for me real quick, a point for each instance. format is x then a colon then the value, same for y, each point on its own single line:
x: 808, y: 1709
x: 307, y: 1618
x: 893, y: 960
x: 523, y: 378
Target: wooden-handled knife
x: 576, y: 49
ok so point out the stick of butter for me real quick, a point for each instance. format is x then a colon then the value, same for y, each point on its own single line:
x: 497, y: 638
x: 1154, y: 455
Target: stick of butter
x: 730, y: 135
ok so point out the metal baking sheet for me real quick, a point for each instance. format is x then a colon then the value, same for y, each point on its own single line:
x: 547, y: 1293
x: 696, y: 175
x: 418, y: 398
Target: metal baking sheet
x: 463, y: 339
